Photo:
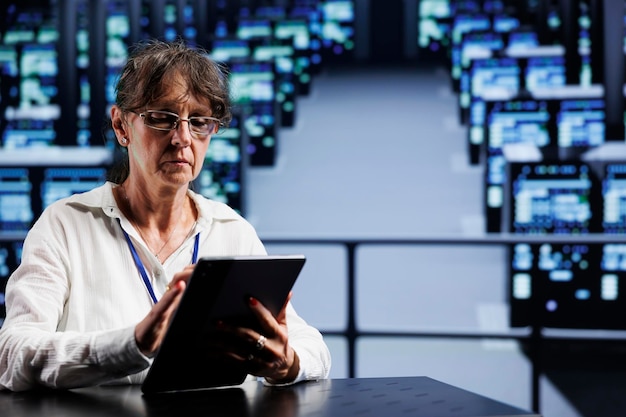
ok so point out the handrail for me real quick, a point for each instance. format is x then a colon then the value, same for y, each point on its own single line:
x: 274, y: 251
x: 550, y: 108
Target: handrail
x: 487, y: 239
x: 534, y: 336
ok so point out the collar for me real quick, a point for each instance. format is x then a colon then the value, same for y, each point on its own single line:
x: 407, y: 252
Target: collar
x: 101, y: 197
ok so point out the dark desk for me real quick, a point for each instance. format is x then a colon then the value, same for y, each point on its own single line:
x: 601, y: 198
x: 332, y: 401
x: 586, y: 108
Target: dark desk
x: 373, y: 397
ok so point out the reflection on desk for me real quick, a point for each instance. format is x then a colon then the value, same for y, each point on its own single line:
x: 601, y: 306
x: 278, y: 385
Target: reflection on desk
x: 376, y: 397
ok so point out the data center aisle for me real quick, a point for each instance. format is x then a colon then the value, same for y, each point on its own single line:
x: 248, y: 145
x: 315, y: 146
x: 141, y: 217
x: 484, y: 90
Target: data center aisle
x: 378, y: 152
x: 375, y: 152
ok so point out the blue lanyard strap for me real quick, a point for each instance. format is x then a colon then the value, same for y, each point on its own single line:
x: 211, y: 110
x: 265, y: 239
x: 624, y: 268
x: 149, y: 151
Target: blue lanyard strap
x: 142, y: 269
x: 196, y: 246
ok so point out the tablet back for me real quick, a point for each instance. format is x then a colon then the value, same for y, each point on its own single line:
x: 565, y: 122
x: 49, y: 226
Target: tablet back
x: 218, y: 289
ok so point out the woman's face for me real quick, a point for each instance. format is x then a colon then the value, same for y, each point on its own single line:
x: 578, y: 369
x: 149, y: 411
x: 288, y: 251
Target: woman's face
x: 168, y: 157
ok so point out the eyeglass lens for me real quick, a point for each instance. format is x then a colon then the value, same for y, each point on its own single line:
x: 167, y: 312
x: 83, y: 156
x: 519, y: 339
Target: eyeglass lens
x: 162, y: 120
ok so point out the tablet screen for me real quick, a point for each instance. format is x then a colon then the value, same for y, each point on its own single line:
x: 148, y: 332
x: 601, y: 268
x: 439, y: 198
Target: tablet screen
x: 219, y: 289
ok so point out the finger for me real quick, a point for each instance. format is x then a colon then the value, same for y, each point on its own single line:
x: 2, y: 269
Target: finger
x: 256, y: 352
x: 183, y: 275
x: 265, y: 317
x: 171, y: 298
x: 150, y: 331
x: 281, y: 317
x: 263, y: 313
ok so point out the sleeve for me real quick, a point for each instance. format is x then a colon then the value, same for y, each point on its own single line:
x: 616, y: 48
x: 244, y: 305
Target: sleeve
x: 31, y: 358
x: 309, y: 345
x: 33, y: 352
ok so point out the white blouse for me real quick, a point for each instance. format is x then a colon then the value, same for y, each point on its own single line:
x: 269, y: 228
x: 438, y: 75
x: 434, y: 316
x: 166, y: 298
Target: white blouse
x: 74, y: 301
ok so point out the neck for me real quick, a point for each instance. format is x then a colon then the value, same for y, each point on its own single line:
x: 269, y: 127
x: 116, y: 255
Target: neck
x: 163, y: 226
x: 155, y: 207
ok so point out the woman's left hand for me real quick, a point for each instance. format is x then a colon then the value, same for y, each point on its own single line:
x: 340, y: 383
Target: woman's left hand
x: 266, y: 353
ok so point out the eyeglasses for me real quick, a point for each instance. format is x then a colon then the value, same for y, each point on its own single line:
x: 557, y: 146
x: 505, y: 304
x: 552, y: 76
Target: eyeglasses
x: 199, y: 126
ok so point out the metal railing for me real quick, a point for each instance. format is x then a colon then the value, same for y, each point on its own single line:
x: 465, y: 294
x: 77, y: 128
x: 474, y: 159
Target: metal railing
x: 533, y: 338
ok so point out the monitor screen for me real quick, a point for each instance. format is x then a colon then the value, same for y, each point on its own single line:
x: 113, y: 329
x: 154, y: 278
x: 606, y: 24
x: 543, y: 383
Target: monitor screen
x: 486, y: 77
x: 614, y: 198
x: 476, y: 45
x: 515, y: 121
x: 462, y: 25
x: 505, y: 22
x: 560, y: 128
x: 520, y: 40
x: 542, y: 72
x: 254, y: 88
x: 61, y: 182
x: 229, y: 49
x: 553, y: 198
x: 29, y: 86
x: 261, y: 130
x: 32, y: 114
x: 434, y: 25
x: 307, y: 11
x: 281, y: 54
x: 503, y: 78
x: 479, y: 44
x: 296, y: 33
x: 338, y: 10
x: 337, y: 26
x: 577, y: 285
x: 221, y: 178
x: 508, y: 122
x: 489, y: 79
x: 25, y: 192
x: 581, y: 123
x: 251, y: 28
x: 252, y: 82
x: 16, y: 206
x: 117, y: 33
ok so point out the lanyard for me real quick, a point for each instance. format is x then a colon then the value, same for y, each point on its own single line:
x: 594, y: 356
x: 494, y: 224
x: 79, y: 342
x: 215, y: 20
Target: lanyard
x: 142, y: 269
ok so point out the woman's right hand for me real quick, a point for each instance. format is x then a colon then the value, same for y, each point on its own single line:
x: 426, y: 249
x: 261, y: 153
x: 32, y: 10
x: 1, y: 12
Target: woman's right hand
x: 150, y: 331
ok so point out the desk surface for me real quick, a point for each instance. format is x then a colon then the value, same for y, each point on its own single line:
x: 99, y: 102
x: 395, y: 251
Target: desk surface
x: 375, y: 397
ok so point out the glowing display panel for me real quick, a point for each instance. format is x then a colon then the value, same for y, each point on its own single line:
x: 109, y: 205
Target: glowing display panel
x: 567, y: 285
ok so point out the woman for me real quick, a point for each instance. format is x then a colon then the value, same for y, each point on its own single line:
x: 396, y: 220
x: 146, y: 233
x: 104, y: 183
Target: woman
x: 102, y: 272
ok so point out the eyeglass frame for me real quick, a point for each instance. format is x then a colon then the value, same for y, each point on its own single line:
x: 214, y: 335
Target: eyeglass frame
x: 178, y: 120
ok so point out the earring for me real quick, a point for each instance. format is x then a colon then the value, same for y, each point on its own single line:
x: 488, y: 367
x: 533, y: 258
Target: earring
x: 124, y: 141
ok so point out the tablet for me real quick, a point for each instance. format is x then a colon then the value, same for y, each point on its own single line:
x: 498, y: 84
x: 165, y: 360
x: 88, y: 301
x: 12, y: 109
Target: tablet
x: 219, y: 289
